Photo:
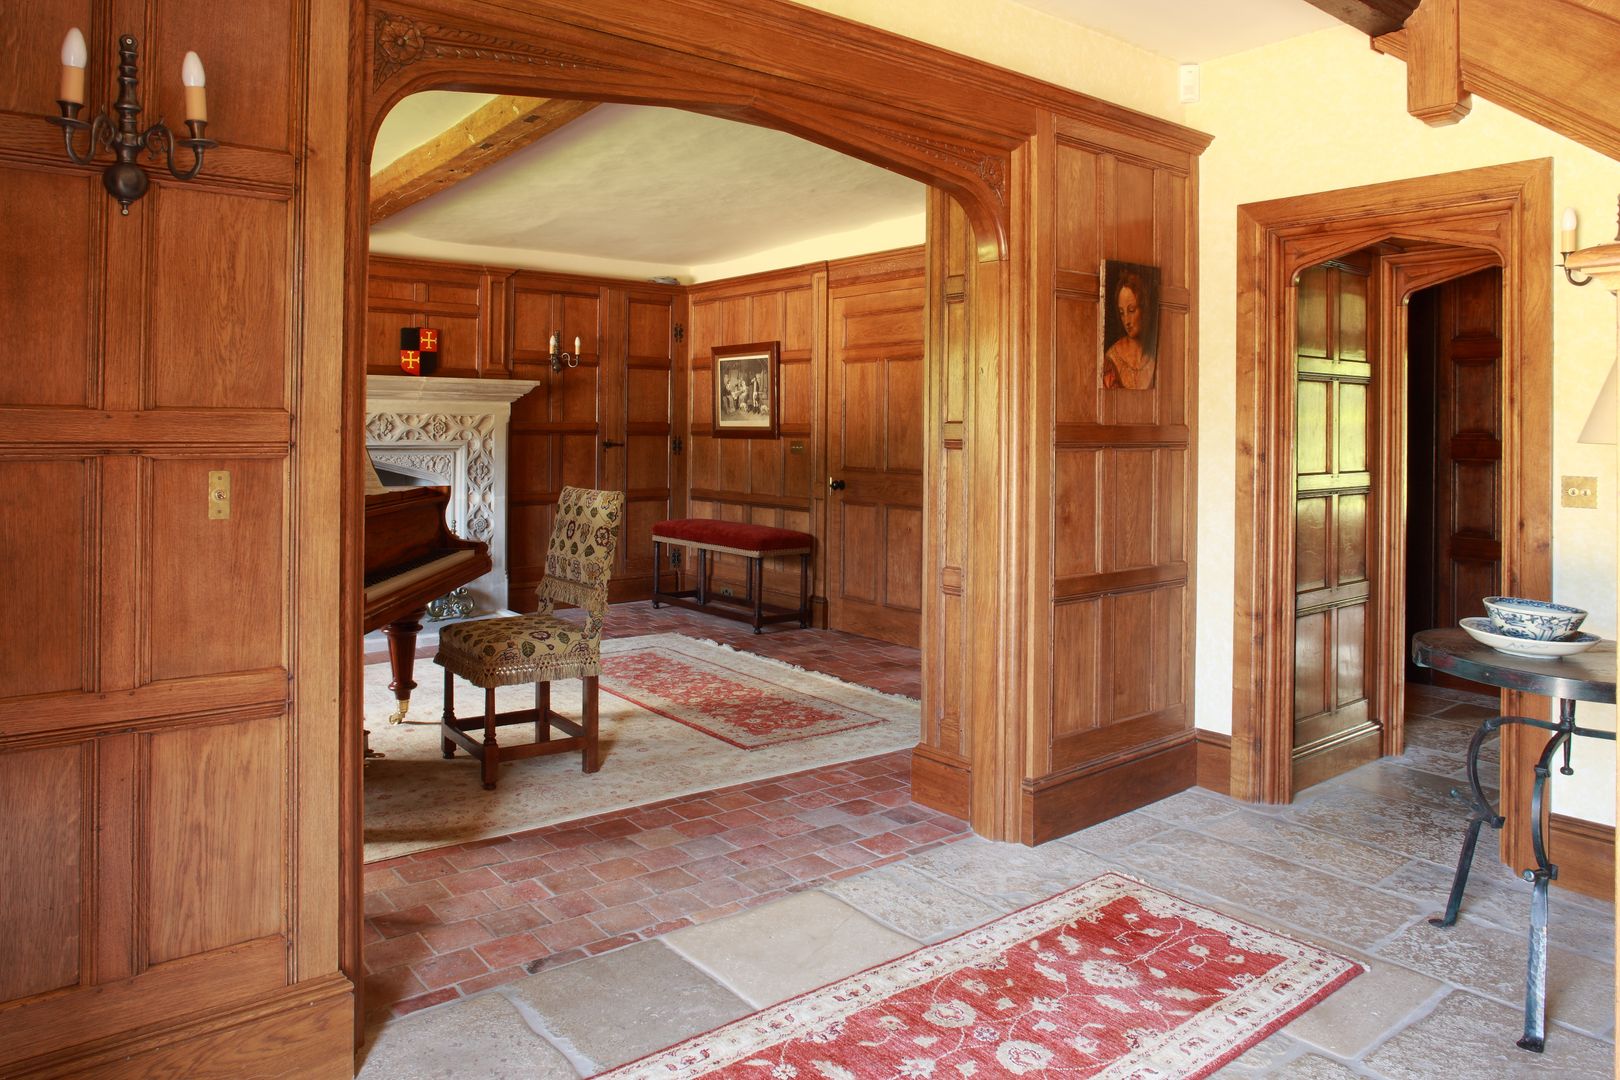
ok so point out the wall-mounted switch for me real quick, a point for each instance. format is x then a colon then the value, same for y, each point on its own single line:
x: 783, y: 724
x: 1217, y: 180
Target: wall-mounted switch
x: 219, y: 495
x: 795, y: 447
x: 1578, y: 491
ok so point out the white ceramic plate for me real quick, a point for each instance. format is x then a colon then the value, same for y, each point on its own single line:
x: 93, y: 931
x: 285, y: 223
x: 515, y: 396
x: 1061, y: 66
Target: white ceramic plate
x: 1480, y: 630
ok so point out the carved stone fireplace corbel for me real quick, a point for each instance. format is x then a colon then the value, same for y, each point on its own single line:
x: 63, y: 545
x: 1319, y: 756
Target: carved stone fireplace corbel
x: 452, y: 433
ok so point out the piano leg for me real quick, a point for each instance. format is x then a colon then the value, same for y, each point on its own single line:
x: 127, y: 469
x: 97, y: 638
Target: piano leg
x: 401, y: 635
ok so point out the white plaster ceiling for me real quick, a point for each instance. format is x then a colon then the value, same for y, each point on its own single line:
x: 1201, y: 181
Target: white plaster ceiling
x: 660, y: 190
x: 1192, y: 31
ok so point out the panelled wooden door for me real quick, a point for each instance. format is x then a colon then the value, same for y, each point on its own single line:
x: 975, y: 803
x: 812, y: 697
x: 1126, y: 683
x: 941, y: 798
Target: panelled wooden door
x: 1334, y: 729
x: 641, y: 418
x: 1464, y: 497
x: 874, y: 546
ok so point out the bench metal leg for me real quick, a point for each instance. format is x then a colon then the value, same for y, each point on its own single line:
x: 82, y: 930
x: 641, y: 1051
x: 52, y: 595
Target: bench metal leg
x: 804, y: 591
x: 658, y: 560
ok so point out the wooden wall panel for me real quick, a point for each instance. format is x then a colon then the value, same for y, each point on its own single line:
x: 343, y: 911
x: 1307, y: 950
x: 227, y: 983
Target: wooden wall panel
x: 250, y: 70
x: 43, y: 219
x: 42, y: 865
x: 219, y: 324
x: 1115, y: 728
x: 213, y: 850
x: 202, y: 331
x: 197, y: 566
x: 764, y: 481
x: 45, y: 616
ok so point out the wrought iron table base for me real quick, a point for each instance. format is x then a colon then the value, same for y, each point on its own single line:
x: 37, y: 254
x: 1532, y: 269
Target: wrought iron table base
x: 1544, y: 873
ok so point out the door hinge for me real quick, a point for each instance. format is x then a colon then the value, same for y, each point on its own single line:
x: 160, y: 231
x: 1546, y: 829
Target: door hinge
x: 675, y: 445
x: 679, y: 332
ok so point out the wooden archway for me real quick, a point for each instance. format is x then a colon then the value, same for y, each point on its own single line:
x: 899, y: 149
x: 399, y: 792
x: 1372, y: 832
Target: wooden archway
x: 1503, y: 216
x: 1032, y: 186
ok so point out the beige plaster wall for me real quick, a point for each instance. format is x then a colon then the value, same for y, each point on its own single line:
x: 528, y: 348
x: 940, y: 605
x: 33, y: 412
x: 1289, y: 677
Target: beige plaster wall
x: 1322, y: 112
x: 1012, y: 36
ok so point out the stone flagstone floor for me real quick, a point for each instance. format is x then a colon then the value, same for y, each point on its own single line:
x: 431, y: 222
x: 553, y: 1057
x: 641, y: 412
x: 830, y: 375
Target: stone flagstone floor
x: 1356, y: 865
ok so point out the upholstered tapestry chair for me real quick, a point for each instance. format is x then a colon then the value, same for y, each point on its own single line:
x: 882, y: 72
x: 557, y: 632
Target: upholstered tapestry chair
x: 540, y: 648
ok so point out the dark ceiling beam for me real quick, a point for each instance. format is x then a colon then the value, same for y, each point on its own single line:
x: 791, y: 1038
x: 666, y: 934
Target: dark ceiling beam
x: 1371, y: 17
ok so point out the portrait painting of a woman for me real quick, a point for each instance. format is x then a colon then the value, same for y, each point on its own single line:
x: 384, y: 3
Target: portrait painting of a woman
x: 1130, y: 325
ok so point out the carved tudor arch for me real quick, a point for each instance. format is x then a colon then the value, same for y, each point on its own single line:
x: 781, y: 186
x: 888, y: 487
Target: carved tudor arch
x: 959, y: 142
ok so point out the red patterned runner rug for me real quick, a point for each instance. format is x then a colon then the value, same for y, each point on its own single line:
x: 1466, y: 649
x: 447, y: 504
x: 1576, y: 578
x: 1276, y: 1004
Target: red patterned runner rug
x: 1111, y: 979
x: 731, y: 696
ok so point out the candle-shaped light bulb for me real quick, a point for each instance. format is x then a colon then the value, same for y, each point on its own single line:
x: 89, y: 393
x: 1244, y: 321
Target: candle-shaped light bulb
x: 191, y: 75
x: 1567, y: 236
x: 554, y: 343
x: 74, y: 57
x: 576, y: 344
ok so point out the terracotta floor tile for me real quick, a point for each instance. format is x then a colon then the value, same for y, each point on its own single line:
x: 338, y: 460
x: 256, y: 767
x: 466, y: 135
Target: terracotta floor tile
x: 570, y: 880
x: 622, y: 919
x: 482, y: 855
x: 514, y: 921
x: 408, y: 921
x: 449, y: 938
x: 470, y: 881
x: 511, y: 950
x: 615, y: 869
x: 627, y: 891
x: 456, y: 908
x: 449, y: 969
x: 808, y: 867
x: 568, y: 935
x: 427, y: 868
x: 568, y: 906
x: 404, y: 950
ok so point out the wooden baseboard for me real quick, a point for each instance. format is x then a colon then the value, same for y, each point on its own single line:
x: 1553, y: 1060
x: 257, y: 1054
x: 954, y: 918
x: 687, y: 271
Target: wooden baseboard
x: 1583, y: 851
x: 1215, y: 761
x: 1058, y: 805
x: 941, y: 781
x: 306, y: 1031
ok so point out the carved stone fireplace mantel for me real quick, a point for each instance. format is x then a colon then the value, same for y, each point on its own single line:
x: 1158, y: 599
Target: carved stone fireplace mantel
x: 451, y: 432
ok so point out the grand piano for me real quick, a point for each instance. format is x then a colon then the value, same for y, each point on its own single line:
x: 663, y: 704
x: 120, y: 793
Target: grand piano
x: 412, y: 558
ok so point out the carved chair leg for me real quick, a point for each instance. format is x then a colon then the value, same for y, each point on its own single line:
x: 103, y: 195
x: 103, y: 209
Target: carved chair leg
x: 492, y: 751
x: 542, y: 711
x: 588, y: 721
x: 445, y: 744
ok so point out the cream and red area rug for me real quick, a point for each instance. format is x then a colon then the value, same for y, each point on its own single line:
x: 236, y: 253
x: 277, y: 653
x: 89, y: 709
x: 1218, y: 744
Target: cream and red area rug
x: 704, y: 717
x: 1112, y: 979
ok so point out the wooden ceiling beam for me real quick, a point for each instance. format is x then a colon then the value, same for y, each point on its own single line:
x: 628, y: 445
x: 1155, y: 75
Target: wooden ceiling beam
x: 1371, y: 17
x: 498, y: 129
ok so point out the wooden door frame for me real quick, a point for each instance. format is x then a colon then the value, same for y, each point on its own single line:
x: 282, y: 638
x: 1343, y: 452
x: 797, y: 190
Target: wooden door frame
x: 1503, y: 210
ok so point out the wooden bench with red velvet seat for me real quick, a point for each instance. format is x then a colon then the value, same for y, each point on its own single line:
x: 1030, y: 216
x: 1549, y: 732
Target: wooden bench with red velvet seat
x: 754, y: 543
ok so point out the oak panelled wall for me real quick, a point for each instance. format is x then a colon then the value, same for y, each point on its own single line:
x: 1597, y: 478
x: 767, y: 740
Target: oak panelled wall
x: 169, y: 752
x: 607, y: 423
x: 1122, y: 488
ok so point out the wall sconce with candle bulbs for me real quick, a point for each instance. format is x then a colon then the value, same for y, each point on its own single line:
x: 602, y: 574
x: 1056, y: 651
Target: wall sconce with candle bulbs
x: 125, y: 179
x: 1567, y: 246
x: 560, y: 359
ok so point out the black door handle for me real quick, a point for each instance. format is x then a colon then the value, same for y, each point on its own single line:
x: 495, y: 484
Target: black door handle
x: 608, y: 444
x: 835, y: 485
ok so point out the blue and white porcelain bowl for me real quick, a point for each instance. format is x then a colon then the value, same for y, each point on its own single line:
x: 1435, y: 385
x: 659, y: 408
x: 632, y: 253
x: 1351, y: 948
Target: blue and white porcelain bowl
x: 1534, y: 620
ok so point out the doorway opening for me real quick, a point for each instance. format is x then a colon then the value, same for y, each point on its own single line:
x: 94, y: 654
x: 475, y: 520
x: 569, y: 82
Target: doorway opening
x: 635, y: 414
x: 1423, y: 231
x: 1454, y: 457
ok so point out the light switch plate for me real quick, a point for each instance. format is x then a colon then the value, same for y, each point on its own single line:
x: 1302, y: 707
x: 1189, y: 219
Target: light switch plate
x: 1577, y: 491
x: 219, y: 496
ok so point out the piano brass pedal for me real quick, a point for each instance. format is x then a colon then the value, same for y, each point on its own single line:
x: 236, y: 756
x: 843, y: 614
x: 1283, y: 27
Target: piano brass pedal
x: 398, y: 715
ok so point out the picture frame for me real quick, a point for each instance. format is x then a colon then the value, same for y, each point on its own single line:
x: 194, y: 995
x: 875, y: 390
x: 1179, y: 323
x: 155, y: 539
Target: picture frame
x: 746, y: 395
x: 1129, y: 359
